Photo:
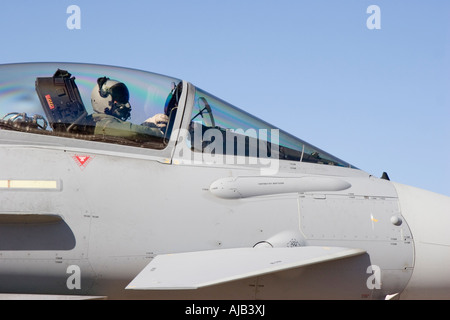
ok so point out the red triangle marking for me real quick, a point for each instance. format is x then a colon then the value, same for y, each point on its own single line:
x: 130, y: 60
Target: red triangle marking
x: 82, y: 160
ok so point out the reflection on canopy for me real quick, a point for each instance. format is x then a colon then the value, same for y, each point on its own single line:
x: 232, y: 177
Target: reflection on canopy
x: 32, y: 100
x: 26, y: 91
x: 233, y: 122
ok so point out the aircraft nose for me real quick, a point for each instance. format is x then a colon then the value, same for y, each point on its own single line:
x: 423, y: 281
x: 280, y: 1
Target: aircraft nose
x: 428, y: 217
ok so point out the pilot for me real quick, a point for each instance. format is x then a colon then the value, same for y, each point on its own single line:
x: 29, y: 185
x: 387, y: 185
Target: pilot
x: 110, y: 101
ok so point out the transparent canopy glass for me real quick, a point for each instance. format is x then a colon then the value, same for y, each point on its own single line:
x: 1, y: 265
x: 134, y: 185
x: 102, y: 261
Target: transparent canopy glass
x: 33, y: 98
x: 232, y: 123
x: 135, y: 108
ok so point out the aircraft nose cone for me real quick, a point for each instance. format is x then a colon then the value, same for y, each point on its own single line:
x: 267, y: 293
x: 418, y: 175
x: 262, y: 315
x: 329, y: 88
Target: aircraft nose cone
x: 428, y: 217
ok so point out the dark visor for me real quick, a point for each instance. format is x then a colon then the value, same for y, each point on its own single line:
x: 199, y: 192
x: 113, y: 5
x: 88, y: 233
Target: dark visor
x: 119, y: 93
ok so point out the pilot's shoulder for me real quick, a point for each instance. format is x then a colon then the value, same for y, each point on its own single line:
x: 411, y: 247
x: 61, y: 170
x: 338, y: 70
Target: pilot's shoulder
x: 98, y: 117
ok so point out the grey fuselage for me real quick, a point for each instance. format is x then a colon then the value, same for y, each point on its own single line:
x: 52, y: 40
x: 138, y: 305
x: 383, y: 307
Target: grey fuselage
x: 85, y: 217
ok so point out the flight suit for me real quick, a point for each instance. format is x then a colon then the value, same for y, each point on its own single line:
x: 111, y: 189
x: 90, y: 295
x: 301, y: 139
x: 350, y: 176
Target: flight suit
x: 111, y: 126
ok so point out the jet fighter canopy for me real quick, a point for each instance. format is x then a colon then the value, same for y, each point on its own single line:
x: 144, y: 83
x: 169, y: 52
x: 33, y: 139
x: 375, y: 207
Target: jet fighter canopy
x: 56, y: 99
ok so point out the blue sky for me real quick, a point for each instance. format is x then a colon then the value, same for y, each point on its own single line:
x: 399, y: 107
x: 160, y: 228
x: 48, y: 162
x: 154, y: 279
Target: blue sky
x: 378, y: 99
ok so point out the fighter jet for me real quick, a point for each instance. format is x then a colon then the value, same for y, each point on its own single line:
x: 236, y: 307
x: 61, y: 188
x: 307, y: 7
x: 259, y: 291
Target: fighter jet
x: 124, y: 184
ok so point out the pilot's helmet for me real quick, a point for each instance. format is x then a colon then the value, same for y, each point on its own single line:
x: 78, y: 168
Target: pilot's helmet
x: 111, y: 97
